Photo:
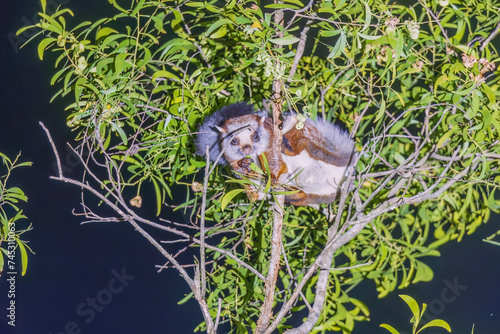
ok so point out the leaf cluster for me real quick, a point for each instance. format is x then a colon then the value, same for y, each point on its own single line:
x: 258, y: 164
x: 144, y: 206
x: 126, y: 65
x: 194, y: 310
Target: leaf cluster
x: 11, y: 216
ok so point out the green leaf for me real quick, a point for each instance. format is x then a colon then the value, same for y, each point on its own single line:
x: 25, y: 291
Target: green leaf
x: 216, y: 25
x: 439, y: 81
x: 158, y: 196
x: 492, y: 203
x: 44, y: 6
x: 185, y: 299
x: 120, y: 132
x: 287, y: 40
x: 137, y: 8
x: 281, y: 6
x: 330, y: 33
x: 290, y: 192
x: 467, y: 50
x: 360, y: 305
x: 81, y: 25
x: 436, y: 323
x: 339, y: 46
x: 295, y: 2
x: 120, y: 62
x: 413, y: 306
x: 25, y: 164
x: 165, y: 74
x: 443, y: 140
x: 254, y: 167
x: 51, y: 24
x: 63, y: 11
x: 424, y: 273
x: 399, y: 47
x: 16, y: 193
x: 113, y: 2
x: 43, y: 45
x: 24, y: 257
x: 23, y: 29
x: 489, y: 92
x: 389, y: 328
x: 475, y: 102
x: 219, y: 33
x: 103, y: 32
x: 369, y: 37
x: 229, y: 196
x: 368, y: 18
x: 381, y: 110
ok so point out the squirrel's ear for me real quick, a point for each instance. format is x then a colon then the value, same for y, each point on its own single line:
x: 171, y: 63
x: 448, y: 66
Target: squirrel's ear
x: 221, y: 130
x: 262, y: 120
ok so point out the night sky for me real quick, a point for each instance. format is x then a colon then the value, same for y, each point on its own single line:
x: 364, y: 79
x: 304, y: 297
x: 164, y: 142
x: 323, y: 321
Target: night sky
x: 76, y: 266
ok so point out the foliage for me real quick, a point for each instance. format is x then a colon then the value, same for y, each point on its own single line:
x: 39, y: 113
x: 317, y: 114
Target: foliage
x: 491, y: 237
x: 417, y: 316
x: 10, y: 217
x: 416, y: 86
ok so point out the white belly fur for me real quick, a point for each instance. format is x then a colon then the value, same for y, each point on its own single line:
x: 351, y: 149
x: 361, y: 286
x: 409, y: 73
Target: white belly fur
x: 312, y: 176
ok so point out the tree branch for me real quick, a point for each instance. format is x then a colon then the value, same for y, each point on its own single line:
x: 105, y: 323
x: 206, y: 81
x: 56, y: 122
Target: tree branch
x: 300, y: 50
x: 278, y: 205
x: 129, y: 219
x: 202, y: 226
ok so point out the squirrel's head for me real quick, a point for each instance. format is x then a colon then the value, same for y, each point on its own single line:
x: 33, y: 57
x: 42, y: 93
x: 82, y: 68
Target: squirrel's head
x: 244, y: 136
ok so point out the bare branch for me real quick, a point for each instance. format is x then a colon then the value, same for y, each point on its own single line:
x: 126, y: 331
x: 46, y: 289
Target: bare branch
x: 130, y: 219
x: 217, y: 317
x: 359, y: 118
x: 202, y: 226
x: 431, y: 13
x: 490, y: 37
x: 300, y: 50
x: 320, y: 295
x: 54, y: 149
x: 289, y: 270
x: 278, y: 205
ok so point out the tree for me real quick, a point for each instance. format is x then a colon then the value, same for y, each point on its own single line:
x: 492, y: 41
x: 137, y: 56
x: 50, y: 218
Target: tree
x: 415, y: 85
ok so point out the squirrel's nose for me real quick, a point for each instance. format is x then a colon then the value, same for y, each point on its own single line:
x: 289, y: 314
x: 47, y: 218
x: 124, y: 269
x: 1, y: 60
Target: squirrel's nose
x: 247, y: 149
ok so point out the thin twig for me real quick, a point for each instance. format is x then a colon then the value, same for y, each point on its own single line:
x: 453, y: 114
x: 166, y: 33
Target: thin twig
x: 202, y: 226
x: 54, y: 149
x: 300, y: 50
x: 289, y: 270
x: 217, y: 317
x: 490, y: 37
x: 431, y: 13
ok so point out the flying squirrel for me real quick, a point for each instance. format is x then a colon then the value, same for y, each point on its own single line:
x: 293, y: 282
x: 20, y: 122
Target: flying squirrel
x: 315, y: 154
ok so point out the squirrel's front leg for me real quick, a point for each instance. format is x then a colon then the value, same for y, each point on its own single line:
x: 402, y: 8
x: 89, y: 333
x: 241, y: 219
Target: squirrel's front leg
x: 254, y: 191
x: 276, y: 167
x: 242, y: 166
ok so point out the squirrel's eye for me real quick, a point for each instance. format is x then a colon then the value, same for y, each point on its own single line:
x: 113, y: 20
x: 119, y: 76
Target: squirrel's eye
x: 255, y: 137
x: 234, y: 142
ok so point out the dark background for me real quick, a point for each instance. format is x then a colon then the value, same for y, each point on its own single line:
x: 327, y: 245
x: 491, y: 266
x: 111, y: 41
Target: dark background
x: 74, y: 262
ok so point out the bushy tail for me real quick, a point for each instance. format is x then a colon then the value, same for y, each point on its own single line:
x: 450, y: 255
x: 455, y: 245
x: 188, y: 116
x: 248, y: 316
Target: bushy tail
x: 337, y: 139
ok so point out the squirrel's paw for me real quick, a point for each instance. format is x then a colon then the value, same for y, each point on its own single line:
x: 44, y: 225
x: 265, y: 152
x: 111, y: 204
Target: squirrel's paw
x: 244, y: 164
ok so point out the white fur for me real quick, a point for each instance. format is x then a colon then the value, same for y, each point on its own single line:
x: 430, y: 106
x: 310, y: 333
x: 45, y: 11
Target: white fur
x: 245, y: 138
x: 312, y: 176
